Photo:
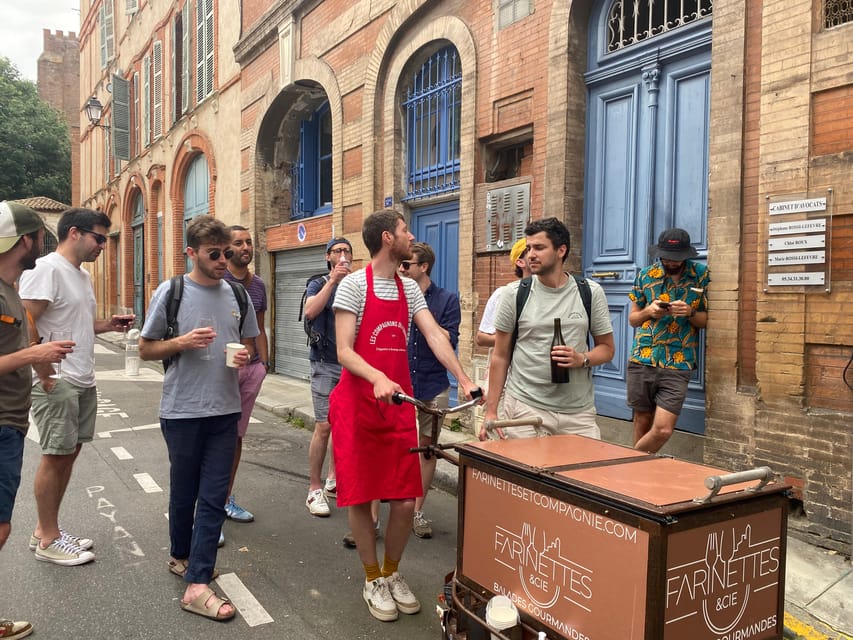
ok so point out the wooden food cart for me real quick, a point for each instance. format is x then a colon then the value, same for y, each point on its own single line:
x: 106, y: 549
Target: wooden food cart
x: 595, y: 541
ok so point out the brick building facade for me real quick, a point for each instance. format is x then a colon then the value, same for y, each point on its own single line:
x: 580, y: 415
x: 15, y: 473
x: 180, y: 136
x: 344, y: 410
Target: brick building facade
x: 59, y: 86
x: 472, y: 115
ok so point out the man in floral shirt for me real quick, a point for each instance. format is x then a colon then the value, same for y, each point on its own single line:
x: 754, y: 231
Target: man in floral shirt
x: 669, y: 305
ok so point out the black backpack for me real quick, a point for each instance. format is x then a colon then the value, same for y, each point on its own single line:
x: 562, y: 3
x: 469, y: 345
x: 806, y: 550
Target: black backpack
x: 173, y: 303
x: 524, y: 292
x: 314, y: 336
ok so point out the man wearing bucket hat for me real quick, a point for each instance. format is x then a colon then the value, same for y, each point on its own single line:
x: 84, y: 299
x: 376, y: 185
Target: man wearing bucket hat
x: 21, y: 237
x: 669, y: 305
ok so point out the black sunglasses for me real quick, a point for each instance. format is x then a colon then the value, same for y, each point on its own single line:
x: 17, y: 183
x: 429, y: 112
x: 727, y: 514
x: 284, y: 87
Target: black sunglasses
x: 214, y: 254
x: 100, y: 238
x: 408, y: 263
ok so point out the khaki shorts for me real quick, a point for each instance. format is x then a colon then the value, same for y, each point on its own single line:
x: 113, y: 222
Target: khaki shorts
x: 65, y: 417
x: 582, y: 423
x: 425, y: 419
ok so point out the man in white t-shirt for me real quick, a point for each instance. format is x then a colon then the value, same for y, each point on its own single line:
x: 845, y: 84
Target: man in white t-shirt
x: 58, y: 295
x: 486, y: 330
x: 563, y: 408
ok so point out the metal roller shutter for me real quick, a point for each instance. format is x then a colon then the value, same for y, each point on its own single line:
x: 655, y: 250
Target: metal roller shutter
x: 292, y: 269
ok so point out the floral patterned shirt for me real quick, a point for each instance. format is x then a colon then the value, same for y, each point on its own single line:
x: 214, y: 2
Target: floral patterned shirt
x: 669, y: 342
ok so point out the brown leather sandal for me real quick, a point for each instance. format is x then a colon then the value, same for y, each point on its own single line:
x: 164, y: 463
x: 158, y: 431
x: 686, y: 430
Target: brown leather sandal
x: 208, y: 604
x: 179, y: 568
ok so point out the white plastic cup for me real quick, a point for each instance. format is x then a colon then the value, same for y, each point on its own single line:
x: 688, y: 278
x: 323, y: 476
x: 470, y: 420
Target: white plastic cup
x: 231, y: 349
x: 501, y: 614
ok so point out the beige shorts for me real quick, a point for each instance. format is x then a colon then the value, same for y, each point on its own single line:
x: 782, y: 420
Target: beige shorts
x: 582, y: 423
x: 65, y: 417
x: 425, y: 419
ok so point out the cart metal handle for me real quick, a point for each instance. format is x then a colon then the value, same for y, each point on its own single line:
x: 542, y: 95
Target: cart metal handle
x: 491, y: 425
x: 400, y: 398
x: 763, y: 474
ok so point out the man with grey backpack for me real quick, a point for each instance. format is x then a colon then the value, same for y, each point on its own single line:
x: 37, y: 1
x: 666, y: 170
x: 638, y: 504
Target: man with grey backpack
x: 325, y: 369
x: 526, y: 328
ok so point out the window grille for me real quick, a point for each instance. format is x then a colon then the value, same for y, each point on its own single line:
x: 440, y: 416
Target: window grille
x: 433, y: 108
x: 837, y: 12
x: 311, y: 176
x: 633, y: 21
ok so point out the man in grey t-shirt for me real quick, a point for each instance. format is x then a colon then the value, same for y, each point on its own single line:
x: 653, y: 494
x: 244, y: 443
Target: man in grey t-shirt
x: 200, y: 407
x: 563, y: 408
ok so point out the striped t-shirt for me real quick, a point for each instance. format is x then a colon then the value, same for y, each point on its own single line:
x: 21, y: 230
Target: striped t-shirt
x: 352, y: 292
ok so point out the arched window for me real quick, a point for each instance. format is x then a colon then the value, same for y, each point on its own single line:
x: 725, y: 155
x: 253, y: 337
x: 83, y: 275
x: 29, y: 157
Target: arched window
x: 196, y: 193
x: 633, y: 21
x: 311, y: 185
x: 433, y: 108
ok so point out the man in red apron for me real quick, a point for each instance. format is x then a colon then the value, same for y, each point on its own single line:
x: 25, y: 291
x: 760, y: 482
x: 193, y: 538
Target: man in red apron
x: 372, y: 436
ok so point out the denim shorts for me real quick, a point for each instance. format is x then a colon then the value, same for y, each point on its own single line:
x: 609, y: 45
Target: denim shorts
x: 65, y: 417
x: 324, y: 377
x: 11, y: 461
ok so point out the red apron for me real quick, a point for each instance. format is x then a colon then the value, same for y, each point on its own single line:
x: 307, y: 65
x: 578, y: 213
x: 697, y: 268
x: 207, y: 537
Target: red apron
x: 371, y: 439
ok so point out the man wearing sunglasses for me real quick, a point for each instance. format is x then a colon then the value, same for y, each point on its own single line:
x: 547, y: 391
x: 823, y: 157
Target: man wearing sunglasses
x: 429, y: 376
x: 200, y: 407
x: 58, y: 295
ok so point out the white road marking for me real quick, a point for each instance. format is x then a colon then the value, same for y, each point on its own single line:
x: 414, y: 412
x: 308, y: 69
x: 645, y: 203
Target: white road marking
x: 248, y: 606
x: 147, y: 483
x: 146, y: 374
x: 143, y: 427
x: 121, y: 453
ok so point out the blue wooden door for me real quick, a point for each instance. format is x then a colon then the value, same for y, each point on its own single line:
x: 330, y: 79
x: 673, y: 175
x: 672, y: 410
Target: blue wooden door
x: 196, y: 195
x: 438, y: 226
x: 646, y: 170
x: 139, y: 273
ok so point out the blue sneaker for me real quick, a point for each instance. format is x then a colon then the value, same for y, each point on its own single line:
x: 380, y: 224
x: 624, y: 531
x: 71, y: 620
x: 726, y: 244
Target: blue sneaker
x: 236, y: 512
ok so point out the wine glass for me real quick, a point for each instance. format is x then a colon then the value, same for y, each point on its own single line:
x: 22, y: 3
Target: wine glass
x: 59, y: 336
x: 125, y: 317
x: 206, y: 321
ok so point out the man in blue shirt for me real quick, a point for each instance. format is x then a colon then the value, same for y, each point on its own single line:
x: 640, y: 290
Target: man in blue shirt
x: 429, y: 377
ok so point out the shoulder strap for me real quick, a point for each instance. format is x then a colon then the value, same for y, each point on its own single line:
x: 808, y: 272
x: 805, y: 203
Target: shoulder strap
x: 586, y: 297
x: 520, y: 299
x: 173, y: 303
x: 242, y: 301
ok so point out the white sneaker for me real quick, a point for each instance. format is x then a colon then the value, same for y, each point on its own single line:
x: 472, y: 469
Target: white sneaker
x: 403, y: 596
x: 63, y: 552
x: 330, y: 490
x: 316, y: 503
x: 379, y: 601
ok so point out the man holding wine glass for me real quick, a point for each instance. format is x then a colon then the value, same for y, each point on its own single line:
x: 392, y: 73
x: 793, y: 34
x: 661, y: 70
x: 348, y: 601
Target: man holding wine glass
x: 200, y: 406
x: 566, y: 404
x: 21, y: 237
x: 59, y: 297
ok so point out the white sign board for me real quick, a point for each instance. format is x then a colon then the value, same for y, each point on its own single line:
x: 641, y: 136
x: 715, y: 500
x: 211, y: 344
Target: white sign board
x: 810, y: 278
x: 797, y: 226
x: 796, y: 257
x: 797, y: 242
x: 797, y: 206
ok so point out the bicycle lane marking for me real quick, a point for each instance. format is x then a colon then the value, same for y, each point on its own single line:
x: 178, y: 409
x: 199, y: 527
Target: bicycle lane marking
x: 247, y: 604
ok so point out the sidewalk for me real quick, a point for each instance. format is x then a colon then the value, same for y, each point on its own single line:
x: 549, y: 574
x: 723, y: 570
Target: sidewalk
x: 818, y: 583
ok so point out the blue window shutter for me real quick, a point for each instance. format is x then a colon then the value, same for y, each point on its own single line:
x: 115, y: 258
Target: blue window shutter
x: 308, y: 167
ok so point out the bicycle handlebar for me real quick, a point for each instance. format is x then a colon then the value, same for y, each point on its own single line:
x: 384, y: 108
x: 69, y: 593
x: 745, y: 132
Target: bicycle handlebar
x: 400, y: 398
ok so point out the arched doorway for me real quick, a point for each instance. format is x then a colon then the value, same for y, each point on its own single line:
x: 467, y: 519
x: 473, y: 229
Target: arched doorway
x: 137, y: 224
x: 648, y: 96
x: 196, y: 195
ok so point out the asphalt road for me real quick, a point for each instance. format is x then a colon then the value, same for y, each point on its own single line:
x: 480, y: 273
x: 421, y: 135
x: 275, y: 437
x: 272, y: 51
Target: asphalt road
x: 288, y: 572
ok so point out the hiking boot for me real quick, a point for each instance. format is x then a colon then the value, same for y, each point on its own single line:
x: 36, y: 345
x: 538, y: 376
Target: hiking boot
x: 420, y: 525
x: 236, y: 512
x: 316, y: 503
x: 10, y: 630
x: 330, y: 490
x: 403, y: 596
x: 64, y: 553
x: 83, y: 543
x: 379, y: 601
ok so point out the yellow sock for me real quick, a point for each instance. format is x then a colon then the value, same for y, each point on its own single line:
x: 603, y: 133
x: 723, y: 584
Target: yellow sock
x: 389, y: 566
x: 372, y: 572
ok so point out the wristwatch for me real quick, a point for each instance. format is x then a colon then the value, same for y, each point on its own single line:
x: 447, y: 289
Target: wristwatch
x: 585, y: 361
